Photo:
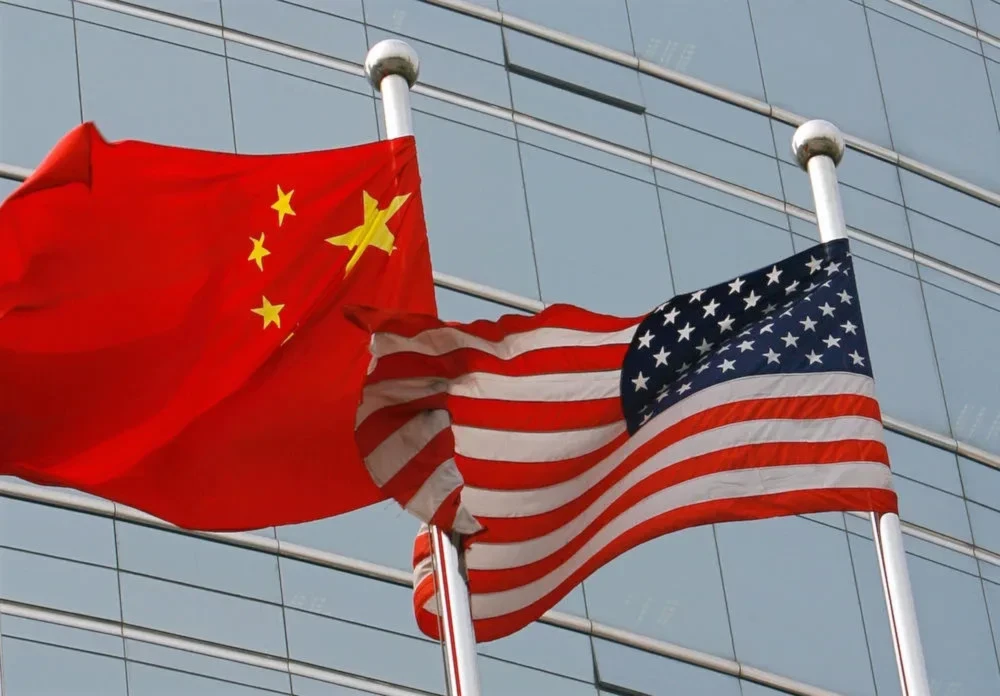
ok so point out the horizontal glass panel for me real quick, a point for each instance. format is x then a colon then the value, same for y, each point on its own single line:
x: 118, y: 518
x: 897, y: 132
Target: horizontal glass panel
x: 350, y: 9
x: 64, y: 636
x: 929, y: 25
x: 297, y: 26
x: 145, y: 680
x: 65, y: 585
x: 636, y: 671
x: 439, y: 25
x: 203, y: 10
x: 60, y: 7
x: 546, y: 648
x: 218, y: 668
x: 721, y: 199
x: 585, y: 153
x: 500, y: 678
x: 982, y: 482
x: 457, y: 306
x: 949, y: 205
x: 56, y: 531
x: 985, y: 526
x: 303, y: 686
x: 922, y: 462
x: 298, y: 67
x: 33, y: 669
x: 603, y: 22
x: 932, y: 509
x: 956, y: 247
x: 149, y: 27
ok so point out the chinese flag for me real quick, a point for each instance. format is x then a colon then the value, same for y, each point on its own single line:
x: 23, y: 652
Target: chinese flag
x: 171, y: 325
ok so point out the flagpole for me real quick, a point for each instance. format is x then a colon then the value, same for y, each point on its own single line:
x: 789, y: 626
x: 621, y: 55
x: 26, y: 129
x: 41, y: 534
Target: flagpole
x: 392, y: 68
x: 819, y: 146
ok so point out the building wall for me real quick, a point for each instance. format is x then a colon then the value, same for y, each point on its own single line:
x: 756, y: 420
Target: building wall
x: 556, y: 171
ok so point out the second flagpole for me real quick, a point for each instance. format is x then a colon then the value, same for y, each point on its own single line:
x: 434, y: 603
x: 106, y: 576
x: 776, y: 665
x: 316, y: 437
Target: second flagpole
x: 392, y: 68
x: 818, y: 146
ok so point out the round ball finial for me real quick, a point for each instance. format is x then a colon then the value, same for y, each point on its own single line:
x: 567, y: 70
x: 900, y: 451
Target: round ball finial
x: 391, y: 57
x: 817, y: 138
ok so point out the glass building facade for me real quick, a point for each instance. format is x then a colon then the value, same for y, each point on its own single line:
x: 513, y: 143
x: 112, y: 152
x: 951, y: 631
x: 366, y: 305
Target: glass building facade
x: 608, y: 153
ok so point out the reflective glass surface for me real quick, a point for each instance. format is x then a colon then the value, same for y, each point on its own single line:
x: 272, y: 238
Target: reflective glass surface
x: 36, y: 669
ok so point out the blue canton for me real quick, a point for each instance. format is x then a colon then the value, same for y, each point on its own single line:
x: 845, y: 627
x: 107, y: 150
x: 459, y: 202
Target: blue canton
x: 800, y: 315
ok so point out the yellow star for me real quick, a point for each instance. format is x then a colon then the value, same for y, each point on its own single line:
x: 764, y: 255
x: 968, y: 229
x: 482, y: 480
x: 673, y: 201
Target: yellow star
x: 372, y: 232
x: 270, y: 312
x: 259, y: 252
x: 283, y: 205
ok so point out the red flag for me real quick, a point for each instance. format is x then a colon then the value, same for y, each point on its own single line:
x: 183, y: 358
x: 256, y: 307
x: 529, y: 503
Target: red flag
x: 171, y: 325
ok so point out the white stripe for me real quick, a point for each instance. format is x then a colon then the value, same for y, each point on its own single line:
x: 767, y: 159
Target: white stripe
x: 494, y: 556
x: 513, y: 446
x: 438, y: 486
x: 443, y: 340
x: 397, y: 391
x: 527, y: 502
x: 394, y: 452
x: 728, y: 485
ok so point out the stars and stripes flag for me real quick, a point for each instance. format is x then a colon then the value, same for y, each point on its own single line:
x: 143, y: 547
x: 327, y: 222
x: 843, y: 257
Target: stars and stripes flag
x: 571, y: 437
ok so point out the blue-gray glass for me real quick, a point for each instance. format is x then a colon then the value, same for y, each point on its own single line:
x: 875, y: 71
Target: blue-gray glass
x: 715, y: 157
x: 477, y: 218
x: 938, y: 554
x: 709, y: 244
x: 382, y: 533
x: 492, y: 122
x: 950, y: 206
x: 925, y: 463
x: 303, y: 686
x: 63, y: 636
x: 925, y: 23
x: 938, y: 100
x: 987, y: 16
x: 34, y: 669
x: 40, y: 96
x: 956, y: 247
x: 985, y: 526
x: 363, y: 651
x: 707, y: 114
x: 140, y: 88
x: 457, y: 306
x: 956, y: 9
x: 773, y: 216
x: 456, y: 72
x: 827, y: 74
x: 635, y: 671
x: 964, y: 337
x: 620, y: 163
x: 437, y: 25
x: 349, y: 9
x: 793, y: 604
x: 7, y: 187
x: 77, y: 588
x: 202, y: 10
x: 604, y: 22
x: 297, y: 26
x: 202, y: 614
x: 56, y: 531
x: 932, y: 509
x: 196, y: 561
x: 150, y: 27
x: 876, y: 621
x: 709, y: 39
x: 547, y: 648
x: 146, y: 680
x: 277, y: 112
x: 318, y: 590
x: 598, y: 238
x: 670, y: 589
x: 579, y: 112
x: 981, y: 481
x: 214, y: 667
x: 599, y: 78
x: 299, y: 67
x: 501, y: 678
x: 59, y: 7
x: 749, y: 688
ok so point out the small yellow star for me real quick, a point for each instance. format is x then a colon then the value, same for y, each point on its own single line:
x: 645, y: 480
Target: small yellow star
x: 283, y: 205
x: 270, y: 312
x: 259, y: 252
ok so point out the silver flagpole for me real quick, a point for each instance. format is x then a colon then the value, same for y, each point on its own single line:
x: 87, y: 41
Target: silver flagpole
x: 818, y: 146
x: 392, y: 67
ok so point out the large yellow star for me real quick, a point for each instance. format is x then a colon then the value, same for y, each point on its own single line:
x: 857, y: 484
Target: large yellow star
x: 372, y: 232
x: 283, y: 205
x: 270, y: 312
x: 259, y: 252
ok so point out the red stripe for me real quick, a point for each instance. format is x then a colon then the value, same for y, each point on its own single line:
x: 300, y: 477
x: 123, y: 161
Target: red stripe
x: 714, y: 512
x: 534, y: 416
x: 408, y: 480
x: 376, y: 429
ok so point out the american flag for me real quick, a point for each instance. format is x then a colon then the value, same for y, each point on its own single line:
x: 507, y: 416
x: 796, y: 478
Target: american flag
x: 562, y: 440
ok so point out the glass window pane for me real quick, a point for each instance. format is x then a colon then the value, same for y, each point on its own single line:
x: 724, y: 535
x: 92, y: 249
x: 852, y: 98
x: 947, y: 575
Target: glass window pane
x: 477, y: 219
x: 985, y: 526
x: 585, y: 153
x: 809, y: 73
x: 349, y: 9
x: 982, y: 482
x: 189, y: 611
x: 929, y: 25
x: 297, y: 26
x: 151, y: 90
x: 276, y: 112
x: 60, y: 7
x: 956, y: 9
x: 57, y: 532
x: 642, y: 672
x: 987, y: 15
x: 145, y: 680
x: 932, y: 509
x: 150, y: 28
x: 544, y: 647
x: 32, y: 669
x: 52, y: 582
x: 922, y: 462
x: 964, y: 336
x: 579, y: 238
x: 362, y: 650
x: 715, y: 157
x: 204, y: 10
x: 948, y: 205
x: 955, y: 246
x: 193, y: 663
x: 642, y: 591
x: 500, y: 678
x: 928, y: 108
x: 720, y: 199
x: 604, y: 22
x: 457, y: 306
x: 303, y: 686
x: 320, y: 590
x: 299, y: 68
x: 40, y: 96
x: 388, y: 535
x: 460, y: 114
x: 793, y: 603
x: 709, y: 39
x: 438, y: 25
x: 696, y: 231
x: 196, y: 561
x: 54, y: 634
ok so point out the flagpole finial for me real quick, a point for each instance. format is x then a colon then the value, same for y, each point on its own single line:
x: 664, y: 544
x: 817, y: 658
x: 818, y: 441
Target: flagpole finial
x: 817, y: 138
x: 391, y: 57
